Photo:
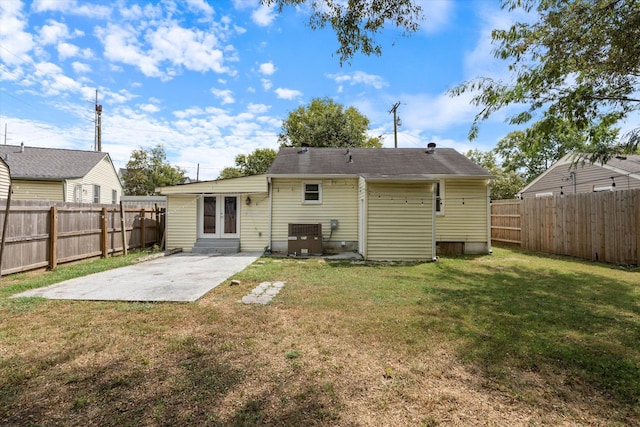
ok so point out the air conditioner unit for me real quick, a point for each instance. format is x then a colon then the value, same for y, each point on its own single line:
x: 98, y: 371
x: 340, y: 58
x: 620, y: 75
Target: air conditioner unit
x: 305, y: 239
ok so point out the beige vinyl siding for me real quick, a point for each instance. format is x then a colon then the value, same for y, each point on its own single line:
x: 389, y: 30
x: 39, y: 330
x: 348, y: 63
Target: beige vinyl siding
x: 5, y: 180
x: 465, y: 212
x: 102, y: 174
x: 181, y: 225
x: 339, y: 201
x: 37, y: 190
x: 254, y: 223
x: 241, y: 185
x: 399, y: 221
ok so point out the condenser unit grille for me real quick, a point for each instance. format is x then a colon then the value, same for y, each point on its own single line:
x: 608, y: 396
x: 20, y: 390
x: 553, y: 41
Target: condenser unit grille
x: 305, y: 239
x: 305, y: 229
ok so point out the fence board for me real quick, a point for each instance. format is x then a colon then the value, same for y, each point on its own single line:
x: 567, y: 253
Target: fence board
x: 42, y: 235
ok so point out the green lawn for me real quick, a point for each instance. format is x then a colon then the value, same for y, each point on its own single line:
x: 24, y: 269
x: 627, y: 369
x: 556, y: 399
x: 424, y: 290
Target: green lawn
x: 509, y: 339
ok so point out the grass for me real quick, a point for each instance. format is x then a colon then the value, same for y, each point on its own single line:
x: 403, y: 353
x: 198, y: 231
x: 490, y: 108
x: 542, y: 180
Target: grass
x: 509, y: 339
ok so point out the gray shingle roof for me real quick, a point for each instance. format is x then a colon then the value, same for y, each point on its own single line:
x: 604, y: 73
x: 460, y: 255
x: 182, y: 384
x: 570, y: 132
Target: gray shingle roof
x: 49, y: 163
x: 629, y: 163
x: 389, y: 163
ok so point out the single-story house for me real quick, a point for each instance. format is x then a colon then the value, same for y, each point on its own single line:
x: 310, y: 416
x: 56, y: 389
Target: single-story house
x: 61, y: 175
x: 386, y: 204
x: 574, y: 174
x: 5, y: 179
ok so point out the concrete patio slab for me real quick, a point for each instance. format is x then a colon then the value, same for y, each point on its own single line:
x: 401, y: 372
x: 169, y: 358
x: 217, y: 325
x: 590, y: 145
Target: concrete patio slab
x: 181, y: 277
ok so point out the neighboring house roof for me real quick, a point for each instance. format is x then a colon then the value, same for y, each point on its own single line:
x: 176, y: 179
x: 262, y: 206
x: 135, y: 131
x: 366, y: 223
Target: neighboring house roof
x: 54, y: 164
x: 375, y: 163
x: 623, y: 170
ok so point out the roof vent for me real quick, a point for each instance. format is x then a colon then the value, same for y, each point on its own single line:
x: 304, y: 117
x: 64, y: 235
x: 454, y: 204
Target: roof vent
x: 621, y: 157
x: 431, y: 148
x: 350, y: 159
x: 22, y: 147
x: 305, y: 148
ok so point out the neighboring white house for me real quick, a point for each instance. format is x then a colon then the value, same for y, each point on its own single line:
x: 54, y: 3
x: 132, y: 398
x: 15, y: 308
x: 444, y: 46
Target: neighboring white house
x: 61, y: 175
x: 573, y: 174
x: 5, y: 179
x: 387, y: 204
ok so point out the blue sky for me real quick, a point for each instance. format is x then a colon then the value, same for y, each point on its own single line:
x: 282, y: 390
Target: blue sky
x: 210, y: 80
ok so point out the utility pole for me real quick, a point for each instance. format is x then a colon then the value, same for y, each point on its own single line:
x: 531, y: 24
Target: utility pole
x: 396, y: 123
x: 5, y: 134
x: 98, y: 134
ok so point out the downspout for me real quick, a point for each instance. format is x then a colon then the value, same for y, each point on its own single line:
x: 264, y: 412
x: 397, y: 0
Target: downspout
x: 434, y: 257
x: 270, y: 192
x: 489, y: 217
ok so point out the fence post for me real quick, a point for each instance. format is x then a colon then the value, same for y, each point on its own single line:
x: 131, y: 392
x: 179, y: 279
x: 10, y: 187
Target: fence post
x: 142, y: 227
x: 123, y: 229
x: 5, y: 224
x: 105, y: 233
x: 53, y: 237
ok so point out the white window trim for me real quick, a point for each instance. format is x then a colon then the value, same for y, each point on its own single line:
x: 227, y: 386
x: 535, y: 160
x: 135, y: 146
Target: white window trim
x: 545, y: 194
x: 97, y: 193
x: 441, y: 211
x: 304, y: 191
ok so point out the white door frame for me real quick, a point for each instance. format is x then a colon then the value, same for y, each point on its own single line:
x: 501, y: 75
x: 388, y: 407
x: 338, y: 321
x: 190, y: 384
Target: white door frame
x: 220, y: 217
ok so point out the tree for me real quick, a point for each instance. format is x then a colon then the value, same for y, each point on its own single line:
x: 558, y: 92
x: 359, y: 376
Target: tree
x: 230, y: 172
x: 357, y: 22
x: 578, y: 62
x: 325, y: 123
x: 148, y: 169
x: 532, y: 151
x: 254, y: 163
x: 505, y: 184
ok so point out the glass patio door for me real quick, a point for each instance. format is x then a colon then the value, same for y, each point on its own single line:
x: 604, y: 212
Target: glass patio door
x: 219, y: 217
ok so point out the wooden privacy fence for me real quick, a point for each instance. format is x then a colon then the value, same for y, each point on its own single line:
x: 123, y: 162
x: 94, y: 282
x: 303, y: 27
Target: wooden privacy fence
x: 505, y: 221
x: 601, y: 226
x: 44, y: 235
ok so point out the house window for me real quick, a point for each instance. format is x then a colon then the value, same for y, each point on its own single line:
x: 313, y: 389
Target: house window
x: 77, y: 193
x: 114, y: 196
x: 96, y: 194
x: 440, y: 198
x: 312, y: 192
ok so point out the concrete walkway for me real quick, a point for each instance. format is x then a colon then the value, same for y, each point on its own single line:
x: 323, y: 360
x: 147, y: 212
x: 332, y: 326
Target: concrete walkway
x: 180, y: 277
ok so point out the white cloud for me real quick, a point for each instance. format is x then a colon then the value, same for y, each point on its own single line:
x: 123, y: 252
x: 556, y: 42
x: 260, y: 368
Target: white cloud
x: 258, y: 108
x: 359, y: 77
x: 266, y: 84
x: 67, y: 50
x: 15, y: 40
x: 53, y: 32
x: 224, y: 94
x: 166, y: 49
x: 71, y: 7
x: 287, y: 93
x: 149, y: 108
x: 437, y: 14
x: 201, y: 5
x: 121, y: 45
x: 80, y: 68
x: 267, y: 68
x: 263, y: 16
x: 194, y: 49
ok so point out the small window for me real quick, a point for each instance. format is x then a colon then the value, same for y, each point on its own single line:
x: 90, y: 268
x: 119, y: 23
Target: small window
x: 545, y: 194
x: 312, y: 192
x: 114, y: 196
x: 440, y: 198
x: 77, y: 193
x: 96, y: 194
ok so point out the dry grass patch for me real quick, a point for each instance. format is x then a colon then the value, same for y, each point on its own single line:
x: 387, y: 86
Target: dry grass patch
x: 508, y: 339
